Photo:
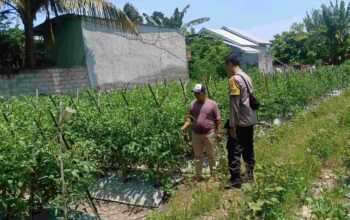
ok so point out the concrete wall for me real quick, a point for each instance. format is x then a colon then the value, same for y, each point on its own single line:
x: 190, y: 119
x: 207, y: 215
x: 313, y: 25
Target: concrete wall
x: 249, y: 60
x: 46, y: 80
x: 114, y: 58
x: 266, y: 63
x: 246, y: 59
x: 262, y: 60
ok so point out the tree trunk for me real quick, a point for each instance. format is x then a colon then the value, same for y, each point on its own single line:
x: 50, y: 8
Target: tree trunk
x: 29, y: 43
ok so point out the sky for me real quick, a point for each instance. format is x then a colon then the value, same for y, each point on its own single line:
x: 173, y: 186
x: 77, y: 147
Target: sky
x: 263, y: 18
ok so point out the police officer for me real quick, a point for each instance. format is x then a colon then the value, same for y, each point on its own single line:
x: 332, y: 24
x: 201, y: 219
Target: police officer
x: 241, y: 123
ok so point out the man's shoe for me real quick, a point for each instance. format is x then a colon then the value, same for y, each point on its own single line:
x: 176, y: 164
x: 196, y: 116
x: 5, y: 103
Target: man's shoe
x: 231, y: 184
x: 214, y: 179
x: 198, y: 179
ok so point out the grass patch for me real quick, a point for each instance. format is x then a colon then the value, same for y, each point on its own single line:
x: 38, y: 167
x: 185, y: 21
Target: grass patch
x: 194, y: 202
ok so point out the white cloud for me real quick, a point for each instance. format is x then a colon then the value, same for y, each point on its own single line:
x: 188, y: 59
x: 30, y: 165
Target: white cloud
x: 267, y: 31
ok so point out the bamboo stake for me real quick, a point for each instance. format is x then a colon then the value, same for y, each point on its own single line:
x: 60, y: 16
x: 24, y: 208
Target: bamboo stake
x: 266, y: 84
x: 208, y: 89
x: 94, y: 100
x: 53, y: 100
x: 184, y: 91
x: 125, y: 100
x: 59, y: 133
x: 8, y: 121
x: 98, y: 98
x: 153, y: 95
x: 92, y: 204
x: 78, y: 94
x: 73, y: 103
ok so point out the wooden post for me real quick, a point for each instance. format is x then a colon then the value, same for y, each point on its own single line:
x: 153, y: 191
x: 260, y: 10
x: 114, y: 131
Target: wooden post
x: 184, y: 91
x: 266, y: 84
x: 99, y: 98
x: 60, y: 140
x: 78, y: 95
x: 287, y: 78
x: 208, y: 89
x: 37, y: 93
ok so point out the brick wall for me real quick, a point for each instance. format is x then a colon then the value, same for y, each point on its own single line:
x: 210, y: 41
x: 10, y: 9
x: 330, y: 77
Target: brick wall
x: 47, y: 81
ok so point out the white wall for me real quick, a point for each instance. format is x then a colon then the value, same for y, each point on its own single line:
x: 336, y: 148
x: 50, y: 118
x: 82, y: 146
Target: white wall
x: 114, y: 58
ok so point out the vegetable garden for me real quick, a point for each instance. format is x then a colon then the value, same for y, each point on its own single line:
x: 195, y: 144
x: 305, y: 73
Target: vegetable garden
x: 48, y: 162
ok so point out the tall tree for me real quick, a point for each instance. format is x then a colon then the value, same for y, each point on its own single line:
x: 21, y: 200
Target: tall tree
x: 332, y: 23
x: 324, y: 37
x: 289, y: 47
x: 175, y: 21
x: 28, y: 9
x: 132, y: 13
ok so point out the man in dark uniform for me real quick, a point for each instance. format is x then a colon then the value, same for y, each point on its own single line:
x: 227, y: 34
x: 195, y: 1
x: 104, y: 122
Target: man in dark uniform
x: 241, y: 123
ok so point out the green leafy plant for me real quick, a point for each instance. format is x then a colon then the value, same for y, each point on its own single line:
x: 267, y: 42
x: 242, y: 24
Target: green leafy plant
x: 134, y: 129
x: 321, y: 145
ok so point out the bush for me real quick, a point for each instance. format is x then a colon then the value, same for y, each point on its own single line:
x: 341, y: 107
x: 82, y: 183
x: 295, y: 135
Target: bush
x: 208, y: 57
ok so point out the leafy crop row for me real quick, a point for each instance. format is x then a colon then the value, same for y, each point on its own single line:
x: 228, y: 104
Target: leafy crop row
x: 123, y: 130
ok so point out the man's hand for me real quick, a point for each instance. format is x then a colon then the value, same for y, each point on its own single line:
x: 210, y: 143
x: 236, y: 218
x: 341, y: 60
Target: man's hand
x: 219, y: 136
x: 184, y: 128
x: 233, y: 133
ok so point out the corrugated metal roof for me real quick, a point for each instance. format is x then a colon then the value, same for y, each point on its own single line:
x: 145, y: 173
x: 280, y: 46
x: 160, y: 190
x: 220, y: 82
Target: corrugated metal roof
x: 244, y: 49
x: 230, y: 37
x: 245, y: 35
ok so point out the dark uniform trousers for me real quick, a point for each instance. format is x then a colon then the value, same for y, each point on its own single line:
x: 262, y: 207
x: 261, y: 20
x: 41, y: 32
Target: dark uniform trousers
x: 242, y: 146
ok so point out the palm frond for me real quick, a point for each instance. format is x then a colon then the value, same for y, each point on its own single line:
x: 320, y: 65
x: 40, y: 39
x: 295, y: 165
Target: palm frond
x: 97, y: 9
x: 150, y: 20
x: 195, y: 22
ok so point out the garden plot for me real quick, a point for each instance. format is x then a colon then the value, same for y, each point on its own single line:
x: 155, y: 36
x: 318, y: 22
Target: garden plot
x: 121, y: 131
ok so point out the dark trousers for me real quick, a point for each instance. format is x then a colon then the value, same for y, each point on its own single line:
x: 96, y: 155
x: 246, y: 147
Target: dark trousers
x: 242, y: 146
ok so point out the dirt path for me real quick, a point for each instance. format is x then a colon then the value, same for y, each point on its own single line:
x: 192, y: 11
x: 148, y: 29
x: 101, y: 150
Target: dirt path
x: 117, y: 211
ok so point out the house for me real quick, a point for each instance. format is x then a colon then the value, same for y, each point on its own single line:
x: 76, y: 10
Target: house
x: 112, y: 57
x: 251, y: 50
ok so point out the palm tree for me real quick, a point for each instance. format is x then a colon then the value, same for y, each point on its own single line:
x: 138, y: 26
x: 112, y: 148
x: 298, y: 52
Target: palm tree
x: 175, y: 21
x: 28, y: 9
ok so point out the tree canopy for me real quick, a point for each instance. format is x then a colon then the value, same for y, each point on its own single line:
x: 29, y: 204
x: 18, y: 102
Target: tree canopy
x: 132, y: 13
x: 208, y: 55
x: 323, y: 37
x: 28, y: 10
x: 175, y: 21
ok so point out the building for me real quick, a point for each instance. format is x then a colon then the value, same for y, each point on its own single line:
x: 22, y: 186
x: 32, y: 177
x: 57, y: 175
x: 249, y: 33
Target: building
x: 251, y: 50
x: 112, y: 57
